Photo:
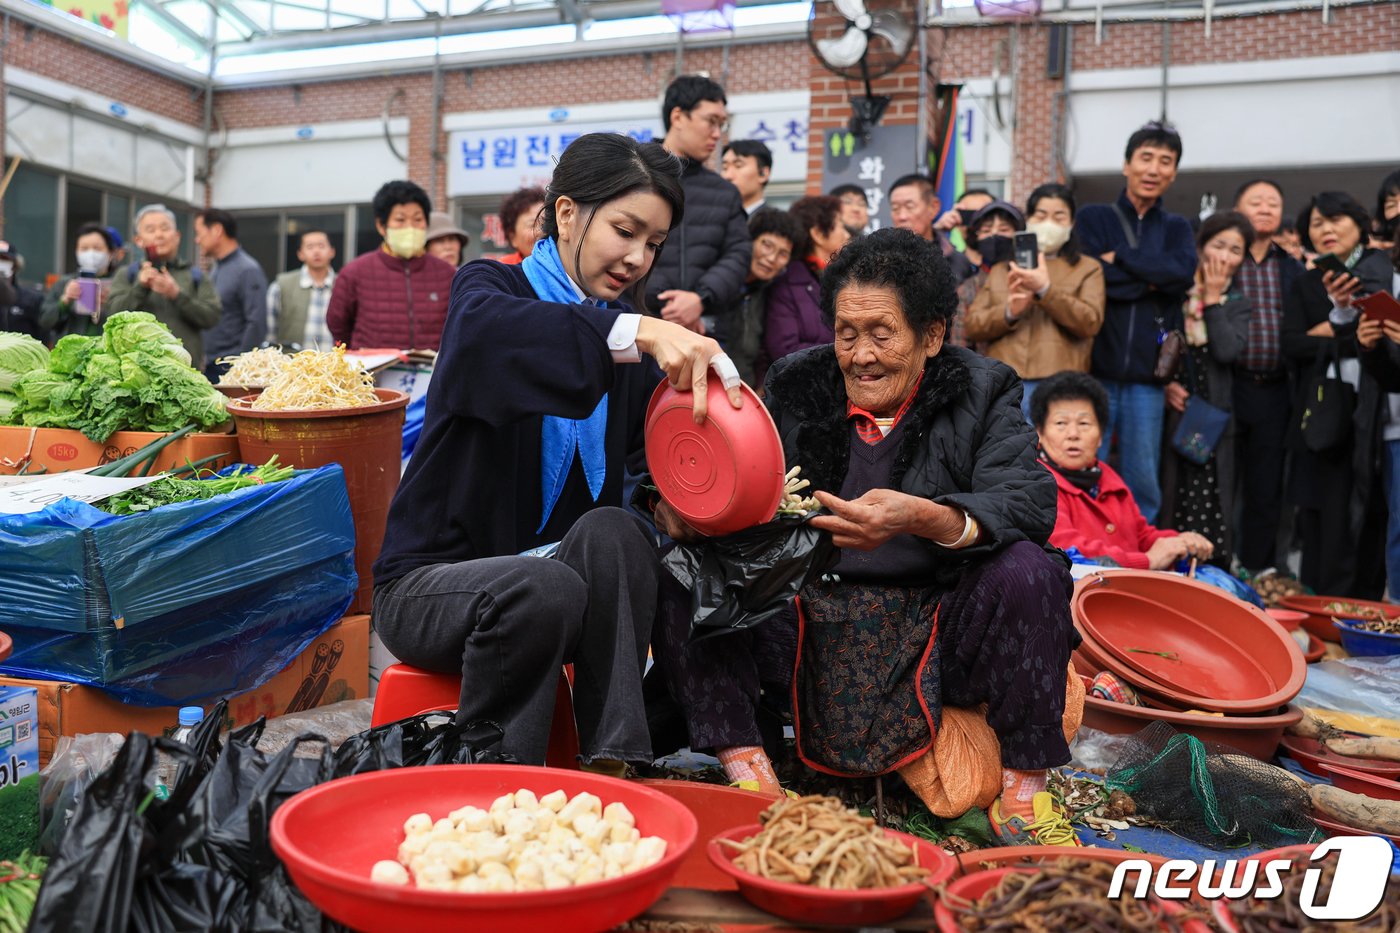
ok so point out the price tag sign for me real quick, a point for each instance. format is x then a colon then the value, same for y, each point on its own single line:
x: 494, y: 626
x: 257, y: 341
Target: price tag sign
x: 32, y: 497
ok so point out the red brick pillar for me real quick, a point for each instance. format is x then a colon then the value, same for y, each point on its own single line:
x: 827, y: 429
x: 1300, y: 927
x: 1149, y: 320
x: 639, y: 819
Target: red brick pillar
x: 1034, y: 145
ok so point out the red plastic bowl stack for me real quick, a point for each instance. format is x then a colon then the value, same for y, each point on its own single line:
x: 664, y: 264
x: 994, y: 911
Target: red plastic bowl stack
x: 1207, y: 663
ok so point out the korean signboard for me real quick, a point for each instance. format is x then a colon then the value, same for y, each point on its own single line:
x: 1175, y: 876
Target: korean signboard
x: 500, y: 160
x: 891, y: 151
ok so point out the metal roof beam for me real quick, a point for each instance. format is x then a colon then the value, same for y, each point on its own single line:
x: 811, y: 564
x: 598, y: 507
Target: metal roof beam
x: 485, y: 21
x: 232, y: 11
x: 172, y: 22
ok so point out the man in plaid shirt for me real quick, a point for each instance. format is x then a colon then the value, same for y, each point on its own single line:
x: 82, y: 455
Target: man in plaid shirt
x: 1262, y: 399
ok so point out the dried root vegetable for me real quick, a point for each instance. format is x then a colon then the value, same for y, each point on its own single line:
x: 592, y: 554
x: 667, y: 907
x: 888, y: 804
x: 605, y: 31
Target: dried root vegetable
x: 1066, y: 894
x: 793, y: 503
x: 523, y: 842
x: 1283, y: 914
x: 316, y: 380
x: 255, y: 368
x: 817, y: 841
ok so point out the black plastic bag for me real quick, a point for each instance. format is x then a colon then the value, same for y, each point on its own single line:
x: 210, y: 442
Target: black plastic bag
x: 425, y: 739
x: 740, y: 580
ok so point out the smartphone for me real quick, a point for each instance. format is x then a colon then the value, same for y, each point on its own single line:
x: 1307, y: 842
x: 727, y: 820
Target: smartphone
x: 966, y: 215
x: 155, y: 259
x: 1027, y: 249
x: 88, y: 293
x: 1379, y: 306
x: 1330, y: 263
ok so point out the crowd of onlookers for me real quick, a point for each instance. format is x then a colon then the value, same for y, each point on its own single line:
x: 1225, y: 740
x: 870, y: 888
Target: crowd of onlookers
x: 1222, y: 363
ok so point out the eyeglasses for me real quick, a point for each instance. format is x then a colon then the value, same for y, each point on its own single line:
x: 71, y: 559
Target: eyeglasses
x: 766, y: 247
x: 721, y: 124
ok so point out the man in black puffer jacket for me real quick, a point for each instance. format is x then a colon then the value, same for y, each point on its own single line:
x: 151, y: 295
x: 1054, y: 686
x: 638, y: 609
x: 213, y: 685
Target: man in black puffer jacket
x: 702, y: 268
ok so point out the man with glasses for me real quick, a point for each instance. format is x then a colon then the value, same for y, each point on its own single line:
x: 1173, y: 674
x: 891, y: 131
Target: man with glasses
x: 855, y: 208
x: 701, y: 270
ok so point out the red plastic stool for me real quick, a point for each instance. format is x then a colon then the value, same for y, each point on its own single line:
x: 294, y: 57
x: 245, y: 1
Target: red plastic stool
x: 407, y: 691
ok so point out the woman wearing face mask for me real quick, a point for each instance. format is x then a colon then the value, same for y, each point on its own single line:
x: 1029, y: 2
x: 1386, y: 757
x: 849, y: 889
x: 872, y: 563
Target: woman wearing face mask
x: 1039, y: 321
x: 1200, y: 497
x: 1387, y: 219
x: 397, y: 295
x: 1338, y: 490
x: 532, y: 424
x: 74, y: 304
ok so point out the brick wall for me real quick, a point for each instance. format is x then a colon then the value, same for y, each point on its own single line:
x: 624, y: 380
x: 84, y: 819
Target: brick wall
x: 1267, y: 37
x: 62, y: 59
x: 752, y: 69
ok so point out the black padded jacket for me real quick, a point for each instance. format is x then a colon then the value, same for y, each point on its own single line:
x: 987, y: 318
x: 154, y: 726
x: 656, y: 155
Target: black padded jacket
x: 709, y: 252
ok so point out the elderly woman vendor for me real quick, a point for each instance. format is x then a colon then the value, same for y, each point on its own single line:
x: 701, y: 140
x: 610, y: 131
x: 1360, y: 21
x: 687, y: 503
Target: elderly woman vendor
x: 944, y: 592
x: 1097, y: 513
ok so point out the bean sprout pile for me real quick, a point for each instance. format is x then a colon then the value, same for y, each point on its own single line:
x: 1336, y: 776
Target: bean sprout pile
x: 254, y: 368
x: 316, y: 380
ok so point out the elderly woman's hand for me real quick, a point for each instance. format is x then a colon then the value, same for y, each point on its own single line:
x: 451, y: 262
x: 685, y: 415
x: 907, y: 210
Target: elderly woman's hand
x: 672, y: 525
x: 1340, y: 288
x: 868, y: 522
x: 1197, y: 545
x: 1165, y: 552
x: 1369, y: 333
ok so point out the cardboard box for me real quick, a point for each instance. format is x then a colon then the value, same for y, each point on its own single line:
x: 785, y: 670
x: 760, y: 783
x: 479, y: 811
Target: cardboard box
x: 334, y: 667
x: 19, y: 770
x: 58, y: 449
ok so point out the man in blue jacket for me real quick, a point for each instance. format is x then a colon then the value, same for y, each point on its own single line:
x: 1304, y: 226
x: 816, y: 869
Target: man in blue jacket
x: 1149, y: 264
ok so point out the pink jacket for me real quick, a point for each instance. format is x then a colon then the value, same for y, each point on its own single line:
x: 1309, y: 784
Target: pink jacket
x: 1110, y: 526
x: 380, y: 300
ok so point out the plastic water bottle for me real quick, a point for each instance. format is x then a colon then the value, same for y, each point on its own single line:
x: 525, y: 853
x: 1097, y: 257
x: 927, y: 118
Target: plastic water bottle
x: 190, y: 717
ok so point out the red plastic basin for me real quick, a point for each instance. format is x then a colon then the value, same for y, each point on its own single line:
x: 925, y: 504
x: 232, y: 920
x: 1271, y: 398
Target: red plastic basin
x: 970, y: 863
x: 1359, y: 782
x: 716, y: 810
x: 1312, y: 755
x: 1290, y: 619
x: 721, y: 476
x: 1216, y: 652
x: 1256, y: 736
x: 1319, y: 620
x: 331, y: 835
x: 806, y: 903
x: 975, y: 886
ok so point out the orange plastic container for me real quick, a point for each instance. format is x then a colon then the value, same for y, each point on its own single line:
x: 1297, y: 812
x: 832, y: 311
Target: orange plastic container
x: 366, y: 442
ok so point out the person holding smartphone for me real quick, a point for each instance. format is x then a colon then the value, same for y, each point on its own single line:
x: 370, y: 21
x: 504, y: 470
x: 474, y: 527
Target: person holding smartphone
x: 74, y: 304
x: 1338, y: 491
x: 1039, y: 312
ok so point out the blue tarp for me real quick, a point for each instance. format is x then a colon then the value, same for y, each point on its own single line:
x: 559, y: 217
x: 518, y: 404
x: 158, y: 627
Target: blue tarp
x: 183, y: 604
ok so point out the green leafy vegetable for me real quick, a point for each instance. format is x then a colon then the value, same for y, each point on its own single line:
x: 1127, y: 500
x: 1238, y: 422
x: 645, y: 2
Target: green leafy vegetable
x: 19, y: 354
x: 135, y: 376
x: 168, y: 491
x: 19, y: 886
x: 8, y: 404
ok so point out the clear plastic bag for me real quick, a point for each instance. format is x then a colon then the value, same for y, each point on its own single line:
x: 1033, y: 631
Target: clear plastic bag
x: 336, y: 722
x: 77, y: 761
x: 1361, y: 686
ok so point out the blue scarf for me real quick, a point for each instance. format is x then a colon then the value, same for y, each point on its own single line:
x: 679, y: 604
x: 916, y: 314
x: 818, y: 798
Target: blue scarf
x: 560, y: 437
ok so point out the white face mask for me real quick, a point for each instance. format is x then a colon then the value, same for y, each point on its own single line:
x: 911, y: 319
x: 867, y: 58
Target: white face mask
x: 1050, y: 235
x: 93, y: 260
x: 7, y: 268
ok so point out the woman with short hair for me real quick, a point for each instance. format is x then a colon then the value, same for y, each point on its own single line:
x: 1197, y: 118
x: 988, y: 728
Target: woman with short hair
x: 795, y: 319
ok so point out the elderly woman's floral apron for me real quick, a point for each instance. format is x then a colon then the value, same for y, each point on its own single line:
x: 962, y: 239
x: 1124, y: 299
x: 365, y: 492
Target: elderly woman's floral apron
x: 866, y: 694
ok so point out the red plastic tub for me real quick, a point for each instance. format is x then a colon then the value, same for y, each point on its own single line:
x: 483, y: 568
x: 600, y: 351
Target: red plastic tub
x: 806, y: 903
x: 973, y: 887
x: 1319, y: 620
x: 331, y: 835
x: 366, y: 442
x: 970, y: 863
x: 721, y: 476
x: 1359, y: 782
x: 1256, y: 736
x: 1194, y: 644
x: 716, y: 809
x: 1312, y: 755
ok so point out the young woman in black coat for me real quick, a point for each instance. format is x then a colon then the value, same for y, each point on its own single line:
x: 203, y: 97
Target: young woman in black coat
x: 534, y: 417
x: 1337, y: 490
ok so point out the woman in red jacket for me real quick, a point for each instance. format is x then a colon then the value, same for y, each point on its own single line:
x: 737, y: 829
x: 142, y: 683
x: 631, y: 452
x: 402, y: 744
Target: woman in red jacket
x: 1096, y: 512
